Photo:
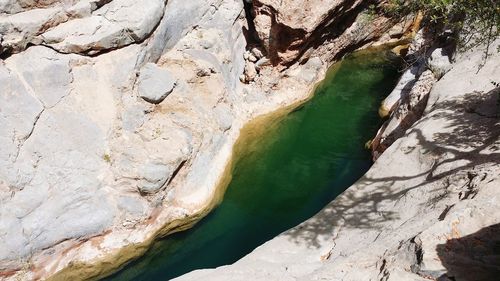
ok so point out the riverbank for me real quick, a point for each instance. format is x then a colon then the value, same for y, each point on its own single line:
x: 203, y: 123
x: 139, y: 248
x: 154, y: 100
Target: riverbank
x: 242, y: 131
x: 420, y: 210
x: 288, y: 165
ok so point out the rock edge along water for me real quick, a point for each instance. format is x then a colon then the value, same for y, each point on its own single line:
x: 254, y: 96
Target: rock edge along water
x: 132, y: 167
x: 414, y: 214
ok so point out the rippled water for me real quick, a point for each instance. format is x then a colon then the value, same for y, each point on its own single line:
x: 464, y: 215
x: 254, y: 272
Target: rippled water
x: 285, y: 176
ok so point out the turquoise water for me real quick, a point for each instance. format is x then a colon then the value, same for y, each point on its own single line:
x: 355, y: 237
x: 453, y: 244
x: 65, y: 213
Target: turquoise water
x: 285, y: 176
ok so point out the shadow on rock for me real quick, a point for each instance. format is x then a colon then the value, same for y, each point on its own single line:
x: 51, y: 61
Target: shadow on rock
x: 473, y: 257
x: 462, y: 153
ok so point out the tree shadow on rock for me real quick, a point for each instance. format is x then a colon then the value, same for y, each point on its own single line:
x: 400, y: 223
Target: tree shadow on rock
x: 471, y: 142
x: 472, y: 257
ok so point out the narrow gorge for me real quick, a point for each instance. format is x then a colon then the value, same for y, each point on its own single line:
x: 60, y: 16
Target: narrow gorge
x: 125, y: 123
x: 284, y: 174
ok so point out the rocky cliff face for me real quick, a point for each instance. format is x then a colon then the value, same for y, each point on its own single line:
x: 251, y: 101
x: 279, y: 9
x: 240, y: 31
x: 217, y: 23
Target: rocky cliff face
x: 117, y: 117
x: 291, y: 30
x: 92, y: 146
x: 427, y: 209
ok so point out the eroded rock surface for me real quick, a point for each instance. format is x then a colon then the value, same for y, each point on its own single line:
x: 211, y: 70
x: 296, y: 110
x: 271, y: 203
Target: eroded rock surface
x: 118, y: 117
x: 292, y: 30
x: 419, y: 210
x: 154, y: 83
x: 83, y: 155
x: 86, y: 26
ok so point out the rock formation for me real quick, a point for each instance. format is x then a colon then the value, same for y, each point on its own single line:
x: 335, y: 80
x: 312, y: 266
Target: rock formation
x: 406, y: 103
x: 291, y: 28
x: 428, y: 207
x: 118, y: 117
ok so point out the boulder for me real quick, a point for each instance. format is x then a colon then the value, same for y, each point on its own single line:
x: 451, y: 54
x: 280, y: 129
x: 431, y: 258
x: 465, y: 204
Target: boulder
x: 439, y: 62
x: 114, y: 25
x: 153, y: 177
x: 308, y: 72
x: 154, y: 83
x: 402, y: 88
x: 409, y: 109
x: 257, y: 53
x: 250, y: 72
x: 20, y: 29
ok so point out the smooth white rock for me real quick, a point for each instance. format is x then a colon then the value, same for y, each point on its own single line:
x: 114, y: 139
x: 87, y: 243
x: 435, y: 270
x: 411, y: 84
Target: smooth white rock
x: 154, y: 83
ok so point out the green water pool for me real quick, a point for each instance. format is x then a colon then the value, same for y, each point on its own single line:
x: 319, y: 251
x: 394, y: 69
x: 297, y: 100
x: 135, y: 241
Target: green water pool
x: 285, y: 176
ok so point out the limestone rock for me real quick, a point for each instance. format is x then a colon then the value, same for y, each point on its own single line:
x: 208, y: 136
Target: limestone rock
x: 224, y: 116
x: 402, y: 88
x: 83, y: 159
x: 134, y: 206
x: 439, y: 62
x: 257, y: 53
x: 19, y: 113
x: 114, y: 25
x: 133, y: 118
x: 425, y: 209
x: 250, y: 72
x: 49, y: 211
x: 154, y: 83
x: 179, y: 18
x: 21, y: 28
x: 154, y: 176
x: 86, y: 26
x: 10, y: 6
x: 409, y: 110
x: 288, y: 29
x: 421, y: 42
x: 49, y: 78
x: 309, y: 70
x: 17, y: 6
x: 87, y: 168
x: 262, y: 62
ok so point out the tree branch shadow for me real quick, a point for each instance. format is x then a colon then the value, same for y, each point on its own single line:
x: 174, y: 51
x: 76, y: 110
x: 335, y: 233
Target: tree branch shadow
x: 471, y: 140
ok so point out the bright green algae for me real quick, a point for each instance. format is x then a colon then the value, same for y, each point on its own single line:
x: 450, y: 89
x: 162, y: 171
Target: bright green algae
x: 286, y: 175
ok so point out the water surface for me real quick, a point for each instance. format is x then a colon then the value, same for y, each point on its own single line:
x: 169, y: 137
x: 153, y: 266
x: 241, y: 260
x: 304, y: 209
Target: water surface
x: 286, y: 175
